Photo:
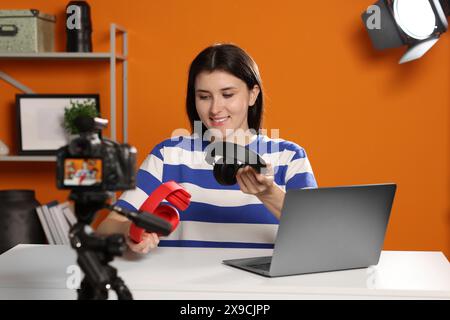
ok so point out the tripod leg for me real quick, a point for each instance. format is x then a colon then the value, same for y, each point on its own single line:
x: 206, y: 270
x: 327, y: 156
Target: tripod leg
x: 85, y: 292
x: 123, y: 293
x: 119, y: 286
x: 88, y: 292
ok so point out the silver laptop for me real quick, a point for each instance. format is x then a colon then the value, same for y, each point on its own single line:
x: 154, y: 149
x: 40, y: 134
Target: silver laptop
x: 327, y: 229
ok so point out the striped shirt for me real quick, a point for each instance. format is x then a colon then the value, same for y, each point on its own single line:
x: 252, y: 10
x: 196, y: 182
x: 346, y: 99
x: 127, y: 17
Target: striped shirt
x: 218, y: 216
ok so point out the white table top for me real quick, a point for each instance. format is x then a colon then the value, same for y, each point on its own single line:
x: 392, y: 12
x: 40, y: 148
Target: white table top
x: 40, y: 272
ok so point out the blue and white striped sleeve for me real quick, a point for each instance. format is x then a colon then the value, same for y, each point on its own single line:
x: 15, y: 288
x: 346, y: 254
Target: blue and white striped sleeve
x: 148, y: 178
x: 299, y: 174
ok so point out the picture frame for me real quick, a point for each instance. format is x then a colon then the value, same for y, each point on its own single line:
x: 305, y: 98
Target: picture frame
x: 33, y: 110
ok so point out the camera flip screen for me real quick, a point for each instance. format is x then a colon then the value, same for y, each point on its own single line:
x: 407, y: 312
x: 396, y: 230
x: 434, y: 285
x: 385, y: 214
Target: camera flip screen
x: 82, y: 172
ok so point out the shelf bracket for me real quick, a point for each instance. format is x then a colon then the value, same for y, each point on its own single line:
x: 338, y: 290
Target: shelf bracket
x: 114, y: 30
x: 15, y: 83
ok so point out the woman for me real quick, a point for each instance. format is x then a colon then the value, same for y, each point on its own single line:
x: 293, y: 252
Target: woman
x: 225, y: 100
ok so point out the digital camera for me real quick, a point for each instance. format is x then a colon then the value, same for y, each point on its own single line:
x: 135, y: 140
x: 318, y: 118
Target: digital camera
x: 89, y: 163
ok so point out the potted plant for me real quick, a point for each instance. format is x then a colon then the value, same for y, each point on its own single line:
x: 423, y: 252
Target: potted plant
x: 78, y: 108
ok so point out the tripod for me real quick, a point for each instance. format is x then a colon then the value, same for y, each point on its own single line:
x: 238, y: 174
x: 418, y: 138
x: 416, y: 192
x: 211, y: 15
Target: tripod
x: 94, y: 253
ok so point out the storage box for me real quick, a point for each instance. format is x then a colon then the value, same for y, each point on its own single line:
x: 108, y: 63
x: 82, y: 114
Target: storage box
x: 26, y: 31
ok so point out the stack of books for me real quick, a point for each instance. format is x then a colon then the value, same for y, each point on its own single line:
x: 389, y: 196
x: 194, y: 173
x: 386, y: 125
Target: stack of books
x: 56, y: 220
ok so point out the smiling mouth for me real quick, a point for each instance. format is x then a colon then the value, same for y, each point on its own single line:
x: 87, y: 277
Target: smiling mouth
x: 218, y: 121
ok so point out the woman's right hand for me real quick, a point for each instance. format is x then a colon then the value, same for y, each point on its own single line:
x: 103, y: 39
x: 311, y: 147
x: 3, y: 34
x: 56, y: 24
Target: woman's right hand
x: 149, y: 241
x: 116, y: 223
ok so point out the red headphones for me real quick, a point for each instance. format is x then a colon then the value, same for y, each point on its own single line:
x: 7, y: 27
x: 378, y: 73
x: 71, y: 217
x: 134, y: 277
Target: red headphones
x: 175, y: 195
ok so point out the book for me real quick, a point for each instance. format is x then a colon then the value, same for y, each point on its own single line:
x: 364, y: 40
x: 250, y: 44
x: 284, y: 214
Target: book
x: 52, y: 222
x: 62, y: 225
x: 56, y: 220
x: 68, y: 213
x: 45, y: 226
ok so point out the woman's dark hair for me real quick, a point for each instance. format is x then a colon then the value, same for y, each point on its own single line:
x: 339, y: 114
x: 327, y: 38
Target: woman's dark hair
x: 231, y: 59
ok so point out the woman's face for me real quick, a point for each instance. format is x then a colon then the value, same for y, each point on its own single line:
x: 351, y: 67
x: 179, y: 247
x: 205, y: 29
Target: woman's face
x: 222, y: 101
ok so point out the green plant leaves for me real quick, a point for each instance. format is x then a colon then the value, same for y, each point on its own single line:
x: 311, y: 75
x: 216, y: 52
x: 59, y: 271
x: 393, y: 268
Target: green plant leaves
x: 78, y: 108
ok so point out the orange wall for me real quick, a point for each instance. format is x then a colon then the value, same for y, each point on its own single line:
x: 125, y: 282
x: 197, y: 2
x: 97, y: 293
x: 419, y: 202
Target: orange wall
x: 361, y: 117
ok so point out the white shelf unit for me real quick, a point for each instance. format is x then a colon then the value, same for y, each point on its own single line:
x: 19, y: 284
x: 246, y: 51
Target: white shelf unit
x: 112, y: 56
x: 28, y: 158
x: 60, y: 56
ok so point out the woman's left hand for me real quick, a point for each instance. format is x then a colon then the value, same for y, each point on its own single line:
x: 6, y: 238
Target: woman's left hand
x: 255, y: 183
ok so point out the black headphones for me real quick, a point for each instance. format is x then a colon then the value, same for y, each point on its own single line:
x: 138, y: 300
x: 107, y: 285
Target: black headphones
x: 233, y: 158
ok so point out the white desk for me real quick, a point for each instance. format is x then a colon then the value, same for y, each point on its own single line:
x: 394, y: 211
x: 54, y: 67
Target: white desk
x: 39, y: 272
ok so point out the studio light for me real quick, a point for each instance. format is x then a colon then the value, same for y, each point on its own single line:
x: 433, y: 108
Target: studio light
x: 418, y: 24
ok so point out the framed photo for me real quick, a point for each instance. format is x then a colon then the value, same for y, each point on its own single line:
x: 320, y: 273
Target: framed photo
x: 40, y: 119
